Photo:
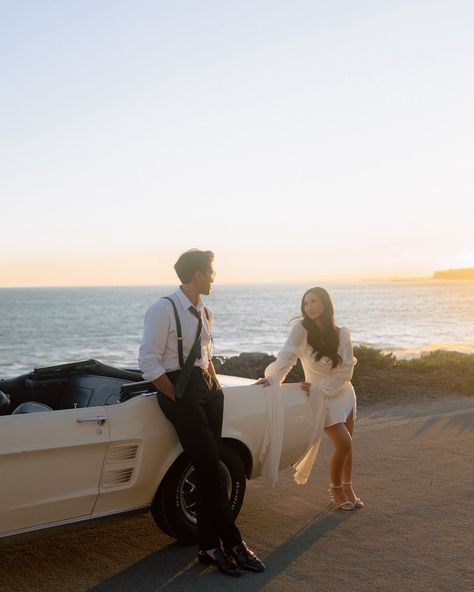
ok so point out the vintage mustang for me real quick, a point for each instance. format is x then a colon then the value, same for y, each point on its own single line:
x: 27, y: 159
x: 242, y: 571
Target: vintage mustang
x: 85, y: 441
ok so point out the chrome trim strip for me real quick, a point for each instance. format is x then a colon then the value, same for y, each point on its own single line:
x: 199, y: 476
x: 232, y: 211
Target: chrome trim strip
x: 101, y: 419
x: 22, y: 535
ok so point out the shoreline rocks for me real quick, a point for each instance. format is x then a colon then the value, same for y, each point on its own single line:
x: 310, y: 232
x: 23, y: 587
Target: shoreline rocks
x: 247, y: 364
x: 378, y: 377
x: 252, y: 365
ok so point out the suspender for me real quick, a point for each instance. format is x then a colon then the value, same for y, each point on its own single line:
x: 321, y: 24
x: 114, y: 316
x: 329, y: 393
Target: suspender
x: 179, y: 331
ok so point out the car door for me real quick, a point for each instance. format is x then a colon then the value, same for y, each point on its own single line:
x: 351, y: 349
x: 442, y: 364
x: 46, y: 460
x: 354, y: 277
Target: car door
x: 50, y: 466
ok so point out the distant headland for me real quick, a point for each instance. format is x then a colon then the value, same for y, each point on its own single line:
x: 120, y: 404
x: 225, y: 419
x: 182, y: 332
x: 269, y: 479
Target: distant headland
x: 466, y: 273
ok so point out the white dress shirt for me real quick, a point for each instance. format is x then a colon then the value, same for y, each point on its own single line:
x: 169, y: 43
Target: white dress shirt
x: 159, y: 348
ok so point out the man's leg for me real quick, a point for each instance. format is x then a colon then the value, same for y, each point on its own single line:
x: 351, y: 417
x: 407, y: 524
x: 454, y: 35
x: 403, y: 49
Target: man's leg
x: 199, y: 435
x: 224, y: 520
x: 225, y: 526
x: 197, y: 419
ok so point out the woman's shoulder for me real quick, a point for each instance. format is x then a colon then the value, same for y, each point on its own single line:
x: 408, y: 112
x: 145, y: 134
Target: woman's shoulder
x: 344, y: 333
x: 297, y: 327
x: 345, y: 330
x: 297, y: 332
x: 296, y: 340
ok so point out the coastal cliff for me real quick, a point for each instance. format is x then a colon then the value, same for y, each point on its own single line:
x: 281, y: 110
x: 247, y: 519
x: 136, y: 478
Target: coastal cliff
x: 466, y: 273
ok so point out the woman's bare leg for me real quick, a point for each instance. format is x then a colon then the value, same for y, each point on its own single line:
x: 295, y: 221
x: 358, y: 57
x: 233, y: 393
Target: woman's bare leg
x: 347, y: 470
x: 342, y: 441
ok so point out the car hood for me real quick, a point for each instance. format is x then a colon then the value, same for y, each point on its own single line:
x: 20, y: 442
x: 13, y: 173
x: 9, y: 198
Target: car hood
x: 225, y: 380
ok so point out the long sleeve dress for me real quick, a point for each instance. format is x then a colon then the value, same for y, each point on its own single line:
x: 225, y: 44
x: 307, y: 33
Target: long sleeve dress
x: 331, y: 398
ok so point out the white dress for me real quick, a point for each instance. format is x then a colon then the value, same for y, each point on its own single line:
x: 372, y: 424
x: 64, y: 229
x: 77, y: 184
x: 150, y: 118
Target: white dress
x: 331, y: 398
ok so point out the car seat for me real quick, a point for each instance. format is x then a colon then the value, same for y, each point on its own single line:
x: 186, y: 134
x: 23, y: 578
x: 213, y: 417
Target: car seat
x: 31, y: 407
x: 4, y: 403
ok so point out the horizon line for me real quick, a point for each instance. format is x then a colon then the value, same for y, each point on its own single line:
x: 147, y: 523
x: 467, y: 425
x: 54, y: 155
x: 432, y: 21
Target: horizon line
x: 226, y: 283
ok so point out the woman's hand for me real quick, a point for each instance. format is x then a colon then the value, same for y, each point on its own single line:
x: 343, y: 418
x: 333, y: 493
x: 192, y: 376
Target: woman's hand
x: 305, y: 386
x: 263, y: 382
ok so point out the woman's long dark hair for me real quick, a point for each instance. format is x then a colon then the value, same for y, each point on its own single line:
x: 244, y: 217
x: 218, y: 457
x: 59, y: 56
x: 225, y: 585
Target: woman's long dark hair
x: 324, y: 342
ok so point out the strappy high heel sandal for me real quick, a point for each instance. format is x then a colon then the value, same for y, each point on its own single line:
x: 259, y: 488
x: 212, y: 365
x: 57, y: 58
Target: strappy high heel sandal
x: 358, y: 503
x: 346, y: 505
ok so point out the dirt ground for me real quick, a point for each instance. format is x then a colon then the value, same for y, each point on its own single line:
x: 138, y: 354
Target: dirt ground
x: 413, y: 469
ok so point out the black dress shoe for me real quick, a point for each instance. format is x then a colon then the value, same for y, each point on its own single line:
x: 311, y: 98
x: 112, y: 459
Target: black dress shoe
x: 224, y: 563
x: 246, y: 558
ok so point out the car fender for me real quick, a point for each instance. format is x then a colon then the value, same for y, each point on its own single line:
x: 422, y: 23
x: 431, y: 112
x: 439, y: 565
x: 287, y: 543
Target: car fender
x: 246, y: 449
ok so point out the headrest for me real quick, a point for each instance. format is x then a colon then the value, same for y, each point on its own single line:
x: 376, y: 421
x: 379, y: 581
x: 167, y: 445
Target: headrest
x: 31, y: 407
x: 4, y: 403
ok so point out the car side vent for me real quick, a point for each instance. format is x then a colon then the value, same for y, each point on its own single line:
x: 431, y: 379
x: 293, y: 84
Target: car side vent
x: 122, y: 453
x: 119, y: 477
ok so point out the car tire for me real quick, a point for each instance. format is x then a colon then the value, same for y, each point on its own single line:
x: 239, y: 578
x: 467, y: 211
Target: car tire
x: 173, y: 508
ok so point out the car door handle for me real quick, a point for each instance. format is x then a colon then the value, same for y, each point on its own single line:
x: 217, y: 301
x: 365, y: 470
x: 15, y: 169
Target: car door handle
x: 101, y: 419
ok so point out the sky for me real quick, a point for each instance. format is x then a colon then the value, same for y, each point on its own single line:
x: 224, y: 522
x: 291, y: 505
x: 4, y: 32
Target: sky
x: 299, y: 141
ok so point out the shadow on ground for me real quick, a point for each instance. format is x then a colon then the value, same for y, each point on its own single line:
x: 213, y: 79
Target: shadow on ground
x: 174, y: 568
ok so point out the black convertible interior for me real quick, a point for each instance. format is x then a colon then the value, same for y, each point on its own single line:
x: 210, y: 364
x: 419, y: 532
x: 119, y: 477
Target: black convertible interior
x: 66, y: 386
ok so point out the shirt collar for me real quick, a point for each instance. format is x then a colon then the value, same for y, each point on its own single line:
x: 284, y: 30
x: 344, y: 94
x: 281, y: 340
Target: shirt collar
x: 185, y: 302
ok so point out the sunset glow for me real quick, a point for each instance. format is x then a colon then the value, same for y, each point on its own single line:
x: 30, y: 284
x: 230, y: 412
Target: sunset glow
x: 295, y: 141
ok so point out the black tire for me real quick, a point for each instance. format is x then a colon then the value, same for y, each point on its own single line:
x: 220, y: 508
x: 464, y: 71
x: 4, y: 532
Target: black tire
x: 173, y: 508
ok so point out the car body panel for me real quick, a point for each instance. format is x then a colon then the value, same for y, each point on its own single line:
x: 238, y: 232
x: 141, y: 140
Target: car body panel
x: 143, y: 445
x: 51, y: 466
x: 55, y: 470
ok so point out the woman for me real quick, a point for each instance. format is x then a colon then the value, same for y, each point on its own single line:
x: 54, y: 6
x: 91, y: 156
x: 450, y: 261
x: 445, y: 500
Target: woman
x: 325, y: 351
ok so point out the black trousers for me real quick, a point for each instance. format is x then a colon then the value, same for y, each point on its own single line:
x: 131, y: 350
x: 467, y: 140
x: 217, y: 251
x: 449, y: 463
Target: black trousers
x: 197, y: 418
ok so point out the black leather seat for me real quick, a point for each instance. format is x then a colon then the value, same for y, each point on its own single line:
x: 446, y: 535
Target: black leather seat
x: 85, y: 390
x: 31, y: 407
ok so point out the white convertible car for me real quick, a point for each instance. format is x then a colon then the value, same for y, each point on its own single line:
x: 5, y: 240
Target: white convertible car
x: 84, y: 441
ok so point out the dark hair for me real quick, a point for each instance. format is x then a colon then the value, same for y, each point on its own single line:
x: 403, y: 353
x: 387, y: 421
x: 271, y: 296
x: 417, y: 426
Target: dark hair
x: 192, y: 261
x: 325, y: 341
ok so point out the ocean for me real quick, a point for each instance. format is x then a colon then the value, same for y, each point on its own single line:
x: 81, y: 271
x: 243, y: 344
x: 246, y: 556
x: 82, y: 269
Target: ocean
x: 45, y: 326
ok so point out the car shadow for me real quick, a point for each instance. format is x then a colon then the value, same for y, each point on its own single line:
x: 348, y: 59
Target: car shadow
x: 175, y: 569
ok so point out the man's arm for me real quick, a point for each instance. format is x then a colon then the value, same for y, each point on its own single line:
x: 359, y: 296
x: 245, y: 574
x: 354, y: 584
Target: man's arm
x: 155, y: 336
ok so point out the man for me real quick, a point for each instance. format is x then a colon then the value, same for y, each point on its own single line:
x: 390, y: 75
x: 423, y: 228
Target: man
x: 196, y: 413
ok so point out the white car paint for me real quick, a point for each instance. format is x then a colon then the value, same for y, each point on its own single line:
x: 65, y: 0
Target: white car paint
x: 72, y: 465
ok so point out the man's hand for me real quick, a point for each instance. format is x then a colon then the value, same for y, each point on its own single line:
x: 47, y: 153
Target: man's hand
x: 170, y: 396
x: 263, y: 382
x: 165, y: 386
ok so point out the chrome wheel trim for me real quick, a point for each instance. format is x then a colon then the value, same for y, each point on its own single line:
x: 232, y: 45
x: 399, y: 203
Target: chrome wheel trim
x: 187, y: 492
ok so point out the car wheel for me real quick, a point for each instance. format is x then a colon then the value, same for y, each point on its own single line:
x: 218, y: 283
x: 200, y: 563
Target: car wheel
x: 174, y: 507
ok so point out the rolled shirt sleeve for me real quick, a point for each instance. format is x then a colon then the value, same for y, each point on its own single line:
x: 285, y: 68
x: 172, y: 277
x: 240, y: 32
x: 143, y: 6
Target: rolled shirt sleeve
x: 155, y: 334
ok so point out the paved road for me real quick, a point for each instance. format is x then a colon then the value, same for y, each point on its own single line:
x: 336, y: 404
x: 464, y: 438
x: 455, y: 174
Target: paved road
x: 414, y: 468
